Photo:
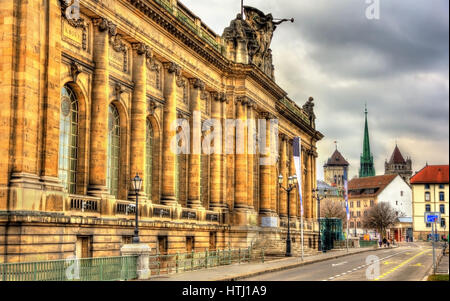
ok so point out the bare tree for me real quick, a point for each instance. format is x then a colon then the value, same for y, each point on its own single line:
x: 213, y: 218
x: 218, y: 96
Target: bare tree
x: 333, y: 209
x: 380, y: 217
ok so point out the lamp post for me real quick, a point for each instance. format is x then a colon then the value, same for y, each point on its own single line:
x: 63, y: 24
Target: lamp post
x: 315, y: 194
x: 137, y: 184
x: 292, y: 182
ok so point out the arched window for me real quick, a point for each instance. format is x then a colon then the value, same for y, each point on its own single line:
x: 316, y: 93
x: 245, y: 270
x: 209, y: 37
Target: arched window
x: 148, y: 159
x: 68, y: 139
x: 113, y: 150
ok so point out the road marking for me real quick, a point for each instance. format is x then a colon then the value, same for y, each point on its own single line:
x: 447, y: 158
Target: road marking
x: 417, y: 265
x: 400, y: 265
x: 337, y: 264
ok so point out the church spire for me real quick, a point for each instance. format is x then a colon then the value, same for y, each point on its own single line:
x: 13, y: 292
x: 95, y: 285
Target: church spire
x: 367, y: 169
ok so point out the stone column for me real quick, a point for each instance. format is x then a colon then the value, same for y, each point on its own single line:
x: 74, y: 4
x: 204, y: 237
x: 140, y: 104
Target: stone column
x: 308, y: 187
x: 141, y: 53
x: 314, y: 185
x: 172, y: 71
x: 251, y: 150
x: 265, y: 170
x: 99, y: 108
x: 216, y: 155
x: 284, y: 172
x: 224, y: 101
x: 197, y: 87
x: 241, y: 202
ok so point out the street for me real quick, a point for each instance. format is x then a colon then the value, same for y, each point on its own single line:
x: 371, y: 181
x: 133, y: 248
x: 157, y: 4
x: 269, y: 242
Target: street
x: 410, y: 262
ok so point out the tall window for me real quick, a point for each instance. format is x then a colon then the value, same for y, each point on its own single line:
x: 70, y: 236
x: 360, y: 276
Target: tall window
x: 148, y: 159
x: 427, y: 196
x: 68, y: 139
x: 442, y: 209
x: 427, y: 208
x: 113, y: 150
x: 441, y: 196
x: 442, y: 222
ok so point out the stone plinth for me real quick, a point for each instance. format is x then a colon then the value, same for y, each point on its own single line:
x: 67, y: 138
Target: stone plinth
x: 143, y: 253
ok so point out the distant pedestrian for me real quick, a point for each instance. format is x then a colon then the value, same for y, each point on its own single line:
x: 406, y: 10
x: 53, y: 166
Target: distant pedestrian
x: 380, y: 243
x: 384, y: 241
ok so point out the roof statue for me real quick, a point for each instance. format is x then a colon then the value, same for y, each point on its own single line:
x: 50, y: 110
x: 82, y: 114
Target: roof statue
x: 256, y: 31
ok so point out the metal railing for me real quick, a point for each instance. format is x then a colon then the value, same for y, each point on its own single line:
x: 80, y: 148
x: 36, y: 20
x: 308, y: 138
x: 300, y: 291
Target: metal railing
x: 367, y: 243
x: 85, y: 269
x: 181, y: 262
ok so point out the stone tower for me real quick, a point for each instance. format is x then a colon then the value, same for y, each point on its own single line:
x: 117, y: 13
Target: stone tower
x: 398, y: 165
x: 334, y: 169
x: 366, y: 162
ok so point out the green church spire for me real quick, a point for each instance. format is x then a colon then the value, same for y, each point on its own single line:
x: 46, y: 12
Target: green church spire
x: 366, y: 169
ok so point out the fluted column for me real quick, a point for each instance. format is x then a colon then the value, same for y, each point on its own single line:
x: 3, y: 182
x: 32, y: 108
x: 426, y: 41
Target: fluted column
x: 99, y: 107
x: 284, y: 172
x: 138, y: 114
x: 216, y: 156
x: 251, y: 150
x: 241, y: 201
x: 223, y: 167
x: 197, y: 87
x: 172, y: 71
x: 265, y: 169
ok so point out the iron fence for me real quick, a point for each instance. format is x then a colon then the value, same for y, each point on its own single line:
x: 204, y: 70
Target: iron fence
x: 180, y: 262
x: 85, y: 269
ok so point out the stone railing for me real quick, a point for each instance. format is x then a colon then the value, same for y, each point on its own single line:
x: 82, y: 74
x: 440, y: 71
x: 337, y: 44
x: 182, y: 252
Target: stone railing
x: 84, y: 203
x: 126, y: 208
x: 185, y: 18
x: 160, y: 211
x: 212, y: 216
x: 189, y: 214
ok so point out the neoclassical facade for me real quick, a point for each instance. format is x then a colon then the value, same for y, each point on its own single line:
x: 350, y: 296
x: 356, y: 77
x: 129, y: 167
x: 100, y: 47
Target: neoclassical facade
x: 89, y: 101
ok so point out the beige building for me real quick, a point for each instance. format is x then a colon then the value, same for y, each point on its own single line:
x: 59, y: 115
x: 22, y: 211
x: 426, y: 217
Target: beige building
x: 430, y: 194
x: 90, y: 98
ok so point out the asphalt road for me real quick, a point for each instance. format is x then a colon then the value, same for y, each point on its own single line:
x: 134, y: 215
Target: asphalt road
x: 406, y: 263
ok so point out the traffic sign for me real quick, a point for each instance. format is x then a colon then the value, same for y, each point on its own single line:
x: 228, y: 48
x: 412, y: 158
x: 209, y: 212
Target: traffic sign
x: 432, y: 217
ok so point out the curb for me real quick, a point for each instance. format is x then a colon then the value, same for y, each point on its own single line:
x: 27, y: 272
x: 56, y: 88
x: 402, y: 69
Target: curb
x: 295, y: 265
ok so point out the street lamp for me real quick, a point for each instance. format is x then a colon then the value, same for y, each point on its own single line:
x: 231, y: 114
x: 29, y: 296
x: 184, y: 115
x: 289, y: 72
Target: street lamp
x: 292, y: 182
x: 315, y: 194
x: 137, y: 184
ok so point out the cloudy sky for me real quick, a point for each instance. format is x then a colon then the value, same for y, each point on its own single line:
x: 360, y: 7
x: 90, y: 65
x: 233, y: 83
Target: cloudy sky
x: 398, y: 65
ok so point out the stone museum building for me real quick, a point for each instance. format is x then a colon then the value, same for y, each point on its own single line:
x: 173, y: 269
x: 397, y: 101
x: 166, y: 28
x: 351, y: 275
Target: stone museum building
x: 90, y: 94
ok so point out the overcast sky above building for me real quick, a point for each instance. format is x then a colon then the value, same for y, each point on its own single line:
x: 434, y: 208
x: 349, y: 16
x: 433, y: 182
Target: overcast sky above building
x: 398, y: 65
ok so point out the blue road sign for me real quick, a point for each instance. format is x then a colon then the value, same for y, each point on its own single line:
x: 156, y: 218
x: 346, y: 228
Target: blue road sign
x: 432, y: 218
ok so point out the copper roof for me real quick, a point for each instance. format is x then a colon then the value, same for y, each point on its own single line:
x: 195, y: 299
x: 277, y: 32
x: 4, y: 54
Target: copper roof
x: 431, y: 174
x: 337, y: 160
x: 377, y: 183
x: 397, y: 157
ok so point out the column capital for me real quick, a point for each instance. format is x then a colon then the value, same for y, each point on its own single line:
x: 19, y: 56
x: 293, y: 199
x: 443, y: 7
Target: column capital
x: 197, y: 84
x: 241, y: 100
x: 104, y: 24
x: 218, y: 96
x: 283, y: 137
x: 142, y: 48
x: 251, y: 103
x: 267, y: 115
x: 172, y: 68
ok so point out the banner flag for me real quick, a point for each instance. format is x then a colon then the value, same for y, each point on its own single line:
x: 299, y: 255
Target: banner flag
x: 297, y: 161
x: 346, y: 193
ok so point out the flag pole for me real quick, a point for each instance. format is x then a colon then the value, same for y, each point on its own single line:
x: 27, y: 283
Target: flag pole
x: 296, y: 146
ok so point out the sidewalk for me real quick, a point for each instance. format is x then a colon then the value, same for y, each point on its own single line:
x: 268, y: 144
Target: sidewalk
x: 238, y: 271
